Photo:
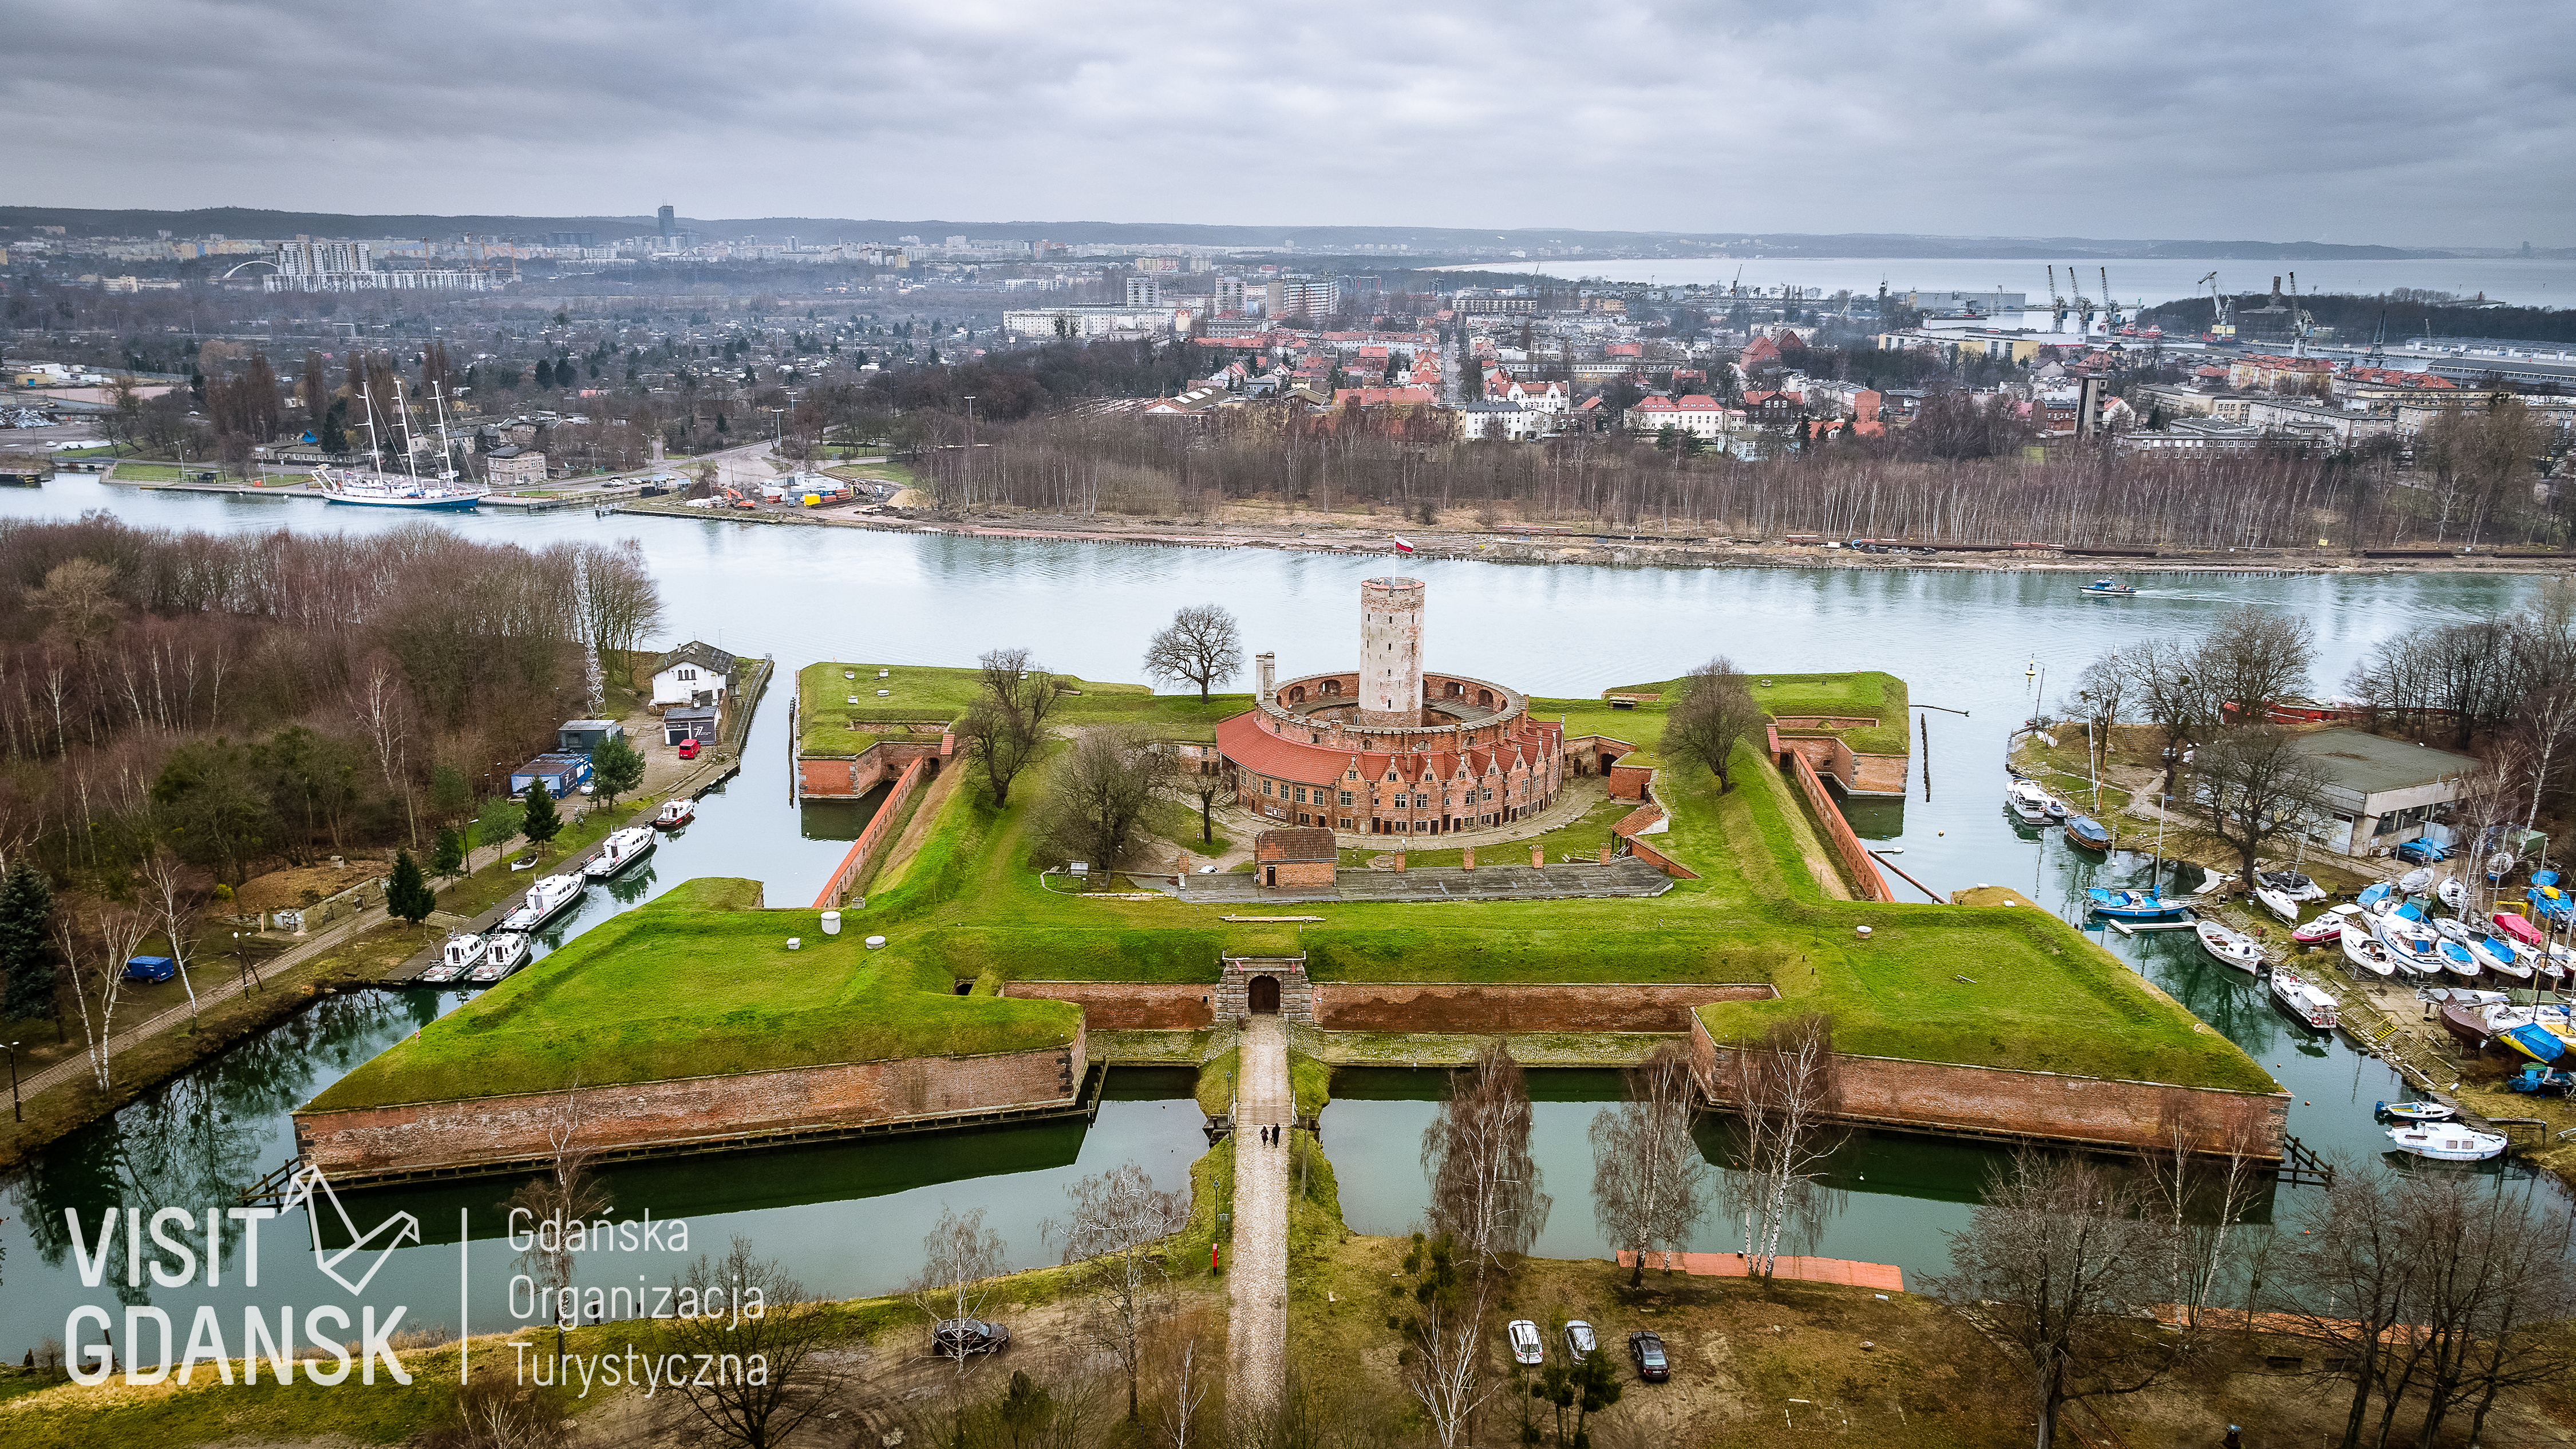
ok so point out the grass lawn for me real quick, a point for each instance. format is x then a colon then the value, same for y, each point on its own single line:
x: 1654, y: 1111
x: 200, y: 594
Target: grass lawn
x: 691, y: 985
x: 1178, y: 821
x: 1783, y: 696
x: 147, y: 472
x: 2049, y: 1000
x: 921, y: 694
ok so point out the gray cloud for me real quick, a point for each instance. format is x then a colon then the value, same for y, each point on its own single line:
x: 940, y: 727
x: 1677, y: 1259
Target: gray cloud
x: 2336, y: 122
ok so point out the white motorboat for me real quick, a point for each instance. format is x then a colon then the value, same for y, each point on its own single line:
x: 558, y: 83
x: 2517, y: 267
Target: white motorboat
x: 621, y: 849
x: 2419, y: 1111
x: 2292, y: 884
x: 2305, y: 999
x: 2453, y: 893
x: 2278, y: 902
x: 674, y: 814
x: 2231, y: 948
x: 503, y: 953
x: 460, y: 955
x: 2364, y: 951
x: 2446, y: 1142
x: 2328, y: 926
x: 550, y: 897
x: 2028, y: 800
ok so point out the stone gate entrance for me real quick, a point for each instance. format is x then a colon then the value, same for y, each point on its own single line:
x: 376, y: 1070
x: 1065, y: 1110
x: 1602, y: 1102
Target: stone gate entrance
x: 1265, y: 986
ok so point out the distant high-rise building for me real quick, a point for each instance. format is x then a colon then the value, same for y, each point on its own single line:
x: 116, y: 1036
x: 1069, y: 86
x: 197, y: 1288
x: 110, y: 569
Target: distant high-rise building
x: 666, y: 219
x: 1229, y: 296
x: 1145, y: 291
x: 1305, y: 297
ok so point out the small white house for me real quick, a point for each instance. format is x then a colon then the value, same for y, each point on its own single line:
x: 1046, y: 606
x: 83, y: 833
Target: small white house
x: 693, y: 674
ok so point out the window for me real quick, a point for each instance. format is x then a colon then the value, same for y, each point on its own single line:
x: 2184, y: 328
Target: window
x: 1346, y: 822
x: 1265, y: 787
x: 1421, y: 802
x: 685, y: 674
x: 1301, y: 794
x: 1346, y: 797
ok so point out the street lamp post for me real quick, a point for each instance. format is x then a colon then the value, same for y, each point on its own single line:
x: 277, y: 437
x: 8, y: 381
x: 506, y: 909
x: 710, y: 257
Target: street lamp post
x: 15, y: 1110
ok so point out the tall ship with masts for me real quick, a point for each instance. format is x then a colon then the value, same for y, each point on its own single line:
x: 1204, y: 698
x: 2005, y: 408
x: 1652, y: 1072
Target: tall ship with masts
x: 446, y: 485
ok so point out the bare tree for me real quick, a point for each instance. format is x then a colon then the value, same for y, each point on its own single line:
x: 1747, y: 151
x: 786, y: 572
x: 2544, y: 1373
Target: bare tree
x: 2205, y: 1169
x: 2053, y: 1264
x: 756, y: 1373
x: 1005, y: 727
x: 174, y: 908
x: 1202, y: 645
x: 566, y: 1194
x: 620, y: 603
x: 1118, y: 1219
x: 2160, y: 679
x: 2253, y: 785
x: 2253, y: 655
x: 95, y: 948
x: 1715, y: 712
x: 1649, y: 1181
x: 959, y: 1259
x: 1097, y: 795
x: 1786, y: 1093
x: 1443, y: 1372
x: 1202, y: 780
x: 378, y: 701
x: 2348, y: 1283
x: 1485, y: 1186
x: 1190, y: 1389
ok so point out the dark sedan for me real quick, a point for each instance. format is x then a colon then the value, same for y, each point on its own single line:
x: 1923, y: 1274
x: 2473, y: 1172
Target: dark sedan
x: 954, y: 1337
x: 1647, y: 1351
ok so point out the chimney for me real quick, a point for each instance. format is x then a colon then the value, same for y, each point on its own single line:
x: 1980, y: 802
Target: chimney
x: 1268, y: 664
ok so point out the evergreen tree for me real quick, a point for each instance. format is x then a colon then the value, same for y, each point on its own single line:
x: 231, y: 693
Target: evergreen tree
x: 26, y: 954
x: 334, y: 437
x: 545, y: 373
x: 616, y: 767
x: 542, y: 824
x: 408, y: 895
x: 450, y: 858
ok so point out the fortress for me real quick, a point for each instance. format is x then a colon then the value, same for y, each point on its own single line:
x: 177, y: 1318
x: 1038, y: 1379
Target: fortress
x: 1386, y: 748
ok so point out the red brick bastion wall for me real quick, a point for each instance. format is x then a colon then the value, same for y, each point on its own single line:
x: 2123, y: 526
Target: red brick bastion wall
x: 481, y: 1131
x: 2005, y: 1102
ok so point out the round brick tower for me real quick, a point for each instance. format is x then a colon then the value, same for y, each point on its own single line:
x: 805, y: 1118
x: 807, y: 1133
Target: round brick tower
x: 1390, y: 651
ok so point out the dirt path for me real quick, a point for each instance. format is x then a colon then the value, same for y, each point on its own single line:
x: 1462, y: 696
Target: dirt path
x: 1257, y: 1337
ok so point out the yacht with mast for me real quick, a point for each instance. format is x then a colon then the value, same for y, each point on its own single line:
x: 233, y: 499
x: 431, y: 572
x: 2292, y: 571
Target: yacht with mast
x: 373, y: 487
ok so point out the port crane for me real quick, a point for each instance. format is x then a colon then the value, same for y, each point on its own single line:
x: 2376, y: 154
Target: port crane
x: 2217, y: 302
x: 2111, y: 309
x: 2083, y: 304
x: 2056, y: 303
x: 2302, y: 322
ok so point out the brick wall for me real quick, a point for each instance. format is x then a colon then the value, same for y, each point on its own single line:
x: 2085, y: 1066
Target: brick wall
x: 848, y: 778
x: 1470, y: 1007
x: 1868, y: 883
x: 873, y: 839
x: 1127, y: 1005
x: 410, y: 1137
x: 1995, y: 1101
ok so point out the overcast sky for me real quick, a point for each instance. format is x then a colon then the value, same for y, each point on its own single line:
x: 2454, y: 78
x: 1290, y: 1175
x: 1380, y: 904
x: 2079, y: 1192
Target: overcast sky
x: 2403, y: 123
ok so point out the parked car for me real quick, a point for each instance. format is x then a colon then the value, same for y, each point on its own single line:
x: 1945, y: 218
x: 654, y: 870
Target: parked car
x: 2420, y: 851
x: 1647, y: 1351
x: 689, y: 748
x: 1578, y: 1338
x: 951, y: 1336
x: 1527, y: 1346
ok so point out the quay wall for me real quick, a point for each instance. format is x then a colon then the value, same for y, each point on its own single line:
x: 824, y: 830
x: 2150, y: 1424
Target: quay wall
x: 1868, y: 884
x: 363, y: 1142
x: 2002, y: 1102
x: 872, y: 840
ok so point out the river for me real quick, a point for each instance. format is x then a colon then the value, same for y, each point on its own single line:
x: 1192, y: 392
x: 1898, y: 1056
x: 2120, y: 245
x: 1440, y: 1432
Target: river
x: 850, y: 1219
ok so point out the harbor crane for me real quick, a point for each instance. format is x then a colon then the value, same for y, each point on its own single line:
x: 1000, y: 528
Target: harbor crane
x: 2378, y: 354
x: 2056, y: 303
x: 2083, y: 304
x: 2111, y: 309
x: 2217, y: 302
x: 2302, y: 322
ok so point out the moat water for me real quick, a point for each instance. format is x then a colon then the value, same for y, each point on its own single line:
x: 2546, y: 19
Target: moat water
x: 850, y: 1218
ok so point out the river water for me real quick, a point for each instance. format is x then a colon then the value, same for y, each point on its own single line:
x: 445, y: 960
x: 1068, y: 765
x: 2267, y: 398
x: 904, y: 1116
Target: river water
x: 850, y: 1219
x: 2523, y: 281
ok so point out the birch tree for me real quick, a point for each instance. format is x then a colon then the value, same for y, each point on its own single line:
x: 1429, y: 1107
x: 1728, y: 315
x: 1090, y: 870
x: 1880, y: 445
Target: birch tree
x: 174, y: 909
x: 1485, y: 1186
x: 959, y: 1259
x: 1118, y: 1219
x: 1786, y: 1093
x: 95, y: 949
x: 1649, y: 1181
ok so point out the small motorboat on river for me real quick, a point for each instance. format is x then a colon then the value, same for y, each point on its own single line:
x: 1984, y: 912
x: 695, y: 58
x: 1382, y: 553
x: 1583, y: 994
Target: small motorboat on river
x: 2304, y: 999
x: 2107, y: 589
x: 2086, y: 833
x: 2417, y: 1111
x: 2130, y: 905
x: 674, y: 814
x: 2446, y: 1142
x: 2232, y: 948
